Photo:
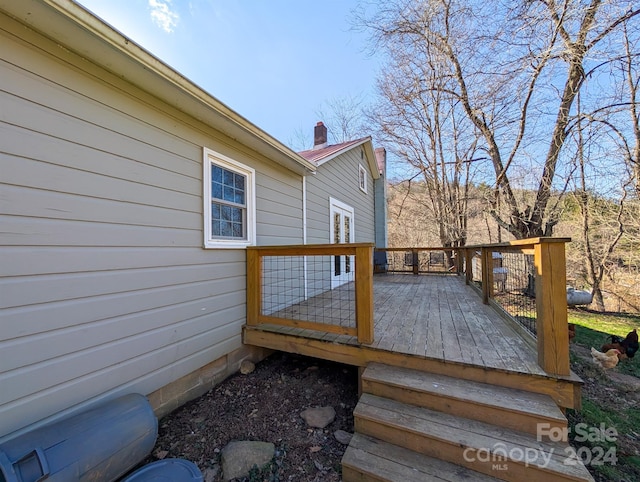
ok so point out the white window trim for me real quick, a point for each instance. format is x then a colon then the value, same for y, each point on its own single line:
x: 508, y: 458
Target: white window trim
x: 362, y: 172
x: 209, y: 157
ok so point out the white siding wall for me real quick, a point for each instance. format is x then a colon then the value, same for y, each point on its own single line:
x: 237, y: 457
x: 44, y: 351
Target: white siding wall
x: 339, y: 179
x: 105, y: 287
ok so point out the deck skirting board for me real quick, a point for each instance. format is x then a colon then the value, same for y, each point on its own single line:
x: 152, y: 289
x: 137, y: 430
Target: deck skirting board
x: 565, y: 391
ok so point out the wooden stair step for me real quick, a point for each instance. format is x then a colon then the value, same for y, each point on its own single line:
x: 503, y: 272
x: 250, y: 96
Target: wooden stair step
x: 506, y: 407
x: 368, y: 459
x: 476, y: 445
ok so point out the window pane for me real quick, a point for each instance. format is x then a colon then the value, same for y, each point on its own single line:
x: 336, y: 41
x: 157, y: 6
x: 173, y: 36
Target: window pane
x: 228, y: 212
x: 215, y: 211
x: 236, y: 215
x: 347, y: 237
x: 216, y: 173
x: 226, y: 229
x: 215, y: 228
x: 216, y: 190
x: 228, y: 178
x: 229, y: 194
x: 239, y: 184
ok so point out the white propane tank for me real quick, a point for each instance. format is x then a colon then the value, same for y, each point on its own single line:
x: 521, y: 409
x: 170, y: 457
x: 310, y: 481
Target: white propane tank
x: 578, y: 297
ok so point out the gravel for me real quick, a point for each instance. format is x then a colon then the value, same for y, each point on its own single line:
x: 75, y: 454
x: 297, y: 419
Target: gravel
x: 265, y: 405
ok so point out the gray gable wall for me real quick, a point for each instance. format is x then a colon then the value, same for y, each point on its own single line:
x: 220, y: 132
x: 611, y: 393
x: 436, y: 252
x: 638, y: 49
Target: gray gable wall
x: 338, y: 178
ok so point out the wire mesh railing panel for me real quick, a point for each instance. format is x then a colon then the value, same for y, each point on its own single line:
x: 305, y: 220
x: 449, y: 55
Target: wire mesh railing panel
x: 420, y: 261
x: 514, y: 287
x: 309, y: 288
x: 476, y: 269
x: 433, y: 262
x: 400, y: 261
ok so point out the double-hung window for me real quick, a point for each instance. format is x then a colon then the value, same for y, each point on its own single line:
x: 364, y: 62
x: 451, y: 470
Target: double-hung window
x: 229, y: 202
x: 362, y: 178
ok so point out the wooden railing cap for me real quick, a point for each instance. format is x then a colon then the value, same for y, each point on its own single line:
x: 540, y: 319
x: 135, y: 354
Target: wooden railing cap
x: 289, y: 247
x: 521, y: 242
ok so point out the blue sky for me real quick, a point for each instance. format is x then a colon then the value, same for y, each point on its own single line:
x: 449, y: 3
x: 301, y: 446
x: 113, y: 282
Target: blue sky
x: 275, y: 62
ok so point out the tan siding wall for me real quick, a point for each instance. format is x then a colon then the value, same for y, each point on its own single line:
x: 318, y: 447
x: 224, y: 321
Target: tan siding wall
x: 104, y: 286
x: 338, y: 178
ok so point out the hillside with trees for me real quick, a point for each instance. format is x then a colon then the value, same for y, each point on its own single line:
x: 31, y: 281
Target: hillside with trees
x: 604, y: 251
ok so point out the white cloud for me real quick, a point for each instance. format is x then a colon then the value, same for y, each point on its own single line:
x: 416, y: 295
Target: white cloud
x: 163, y: 16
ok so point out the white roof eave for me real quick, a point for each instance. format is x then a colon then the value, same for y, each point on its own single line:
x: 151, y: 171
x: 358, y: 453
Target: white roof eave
x: 367, y: 145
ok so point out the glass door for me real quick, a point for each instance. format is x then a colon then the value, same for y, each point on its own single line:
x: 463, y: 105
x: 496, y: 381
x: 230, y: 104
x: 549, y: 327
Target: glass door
x: 342, y: 231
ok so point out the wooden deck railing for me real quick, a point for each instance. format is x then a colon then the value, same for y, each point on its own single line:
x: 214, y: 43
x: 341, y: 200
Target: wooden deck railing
x: 280, y: 291
x: 538, y: 303
x: 545, y: 288
x: 422, y: 260
x: 281, y: 279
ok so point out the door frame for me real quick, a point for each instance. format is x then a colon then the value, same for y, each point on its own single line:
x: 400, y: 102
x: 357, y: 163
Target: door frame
x: 346, y: 269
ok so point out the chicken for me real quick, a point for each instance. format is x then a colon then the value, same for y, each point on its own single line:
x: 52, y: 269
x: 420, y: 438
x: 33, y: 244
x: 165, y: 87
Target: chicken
x: 627, y: 346
x: 605, y: 360
x: 572, y: 331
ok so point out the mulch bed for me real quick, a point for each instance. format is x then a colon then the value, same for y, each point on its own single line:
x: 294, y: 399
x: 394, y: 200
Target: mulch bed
x: 265, y: 405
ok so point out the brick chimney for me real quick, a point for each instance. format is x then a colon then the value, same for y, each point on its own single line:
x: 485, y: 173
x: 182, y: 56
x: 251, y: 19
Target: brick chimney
x: 319, y: 136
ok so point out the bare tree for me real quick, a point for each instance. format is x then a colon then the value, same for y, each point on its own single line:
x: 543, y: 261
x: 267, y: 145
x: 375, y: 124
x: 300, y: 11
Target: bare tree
x: 631, y: 71
x: 607, y: 155
x: 423, y: 128
x: 602, y: 225
x: 514, y: 70
x: 344, y: 118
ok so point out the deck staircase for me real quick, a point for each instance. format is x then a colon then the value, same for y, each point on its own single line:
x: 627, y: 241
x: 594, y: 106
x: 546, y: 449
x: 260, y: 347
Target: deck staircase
x: 416, y: 426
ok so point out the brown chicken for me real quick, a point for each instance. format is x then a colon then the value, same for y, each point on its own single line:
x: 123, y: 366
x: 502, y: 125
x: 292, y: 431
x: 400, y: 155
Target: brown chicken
x: 627, y: 346
x: 572, y: 331
x: 605, y: 360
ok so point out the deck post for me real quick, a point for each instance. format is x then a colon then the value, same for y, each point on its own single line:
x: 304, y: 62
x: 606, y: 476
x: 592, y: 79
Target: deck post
x: 459, y: 261
x: 364, y: 293
x: 415, y: 261
x: 254, y: 290
x: 551, y: 306
x: 468, y: 265
x: 487, y: 274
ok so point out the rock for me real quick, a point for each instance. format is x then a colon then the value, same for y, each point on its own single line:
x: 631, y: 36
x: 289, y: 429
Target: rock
x: 161, y: 454
x: 209, y: 475
x: 247, y: 367
x: 238, y: 458
x: 343, y: 437
x: 319, y: 417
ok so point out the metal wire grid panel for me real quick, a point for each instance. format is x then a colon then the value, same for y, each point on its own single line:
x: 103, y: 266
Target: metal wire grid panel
x: 318, y: 289
x: 514, y: 287
x: 431, y: 261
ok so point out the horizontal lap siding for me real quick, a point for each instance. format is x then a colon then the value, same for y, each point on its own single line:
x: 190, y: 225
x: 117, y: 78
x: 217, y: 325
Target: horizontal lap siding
x: 339, y: 178
x: 104, y: 285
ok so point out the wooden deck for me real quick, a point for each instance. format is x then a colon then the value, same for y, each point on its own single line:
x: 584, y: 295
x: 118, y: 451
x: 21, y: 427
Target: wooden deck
x: 443, y: 376
x: 434, y: 323
x: 441, y: 317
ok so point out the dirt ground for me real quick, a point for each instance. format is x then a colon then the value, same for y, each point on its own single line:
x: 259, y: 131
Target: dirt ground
x: 265, y: 405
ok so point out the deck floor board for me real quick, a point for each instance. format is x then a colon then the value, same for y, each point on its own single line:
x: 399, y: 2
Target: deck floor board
x: 433, y: 316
